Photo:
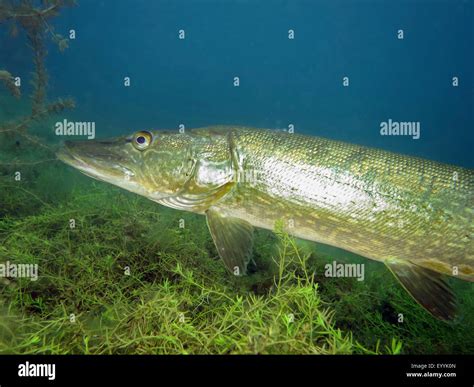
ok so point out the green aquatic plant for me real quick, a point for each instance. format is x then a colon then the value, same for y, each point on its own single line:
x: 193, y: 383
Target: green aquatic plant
x: 128, y: 279
x: 34, y: 18
x: 8, y: 81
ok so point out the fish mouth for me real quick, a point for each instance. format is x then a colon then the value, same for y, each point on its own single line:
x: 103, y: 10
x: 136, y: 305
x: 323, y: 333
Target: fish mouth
x: 69, y: 158
x: 83, y: 159
x: 106, y: 165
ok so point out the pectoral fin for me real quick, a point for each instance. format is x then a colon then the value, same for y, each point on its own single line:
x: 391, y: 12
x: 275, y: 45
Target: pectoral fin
x: 233, y: 239
x: 427, y: 287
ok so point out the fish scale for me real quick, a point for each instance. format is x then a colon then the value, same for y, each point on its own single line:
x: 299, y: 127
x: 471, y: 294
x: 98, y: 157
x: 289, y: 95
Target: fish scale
x: 321, y: 183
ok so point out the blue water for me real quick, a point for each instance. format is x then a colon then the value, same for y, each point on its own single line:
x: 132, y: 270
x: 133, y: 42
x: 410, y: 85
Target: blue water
x: 282, y: 81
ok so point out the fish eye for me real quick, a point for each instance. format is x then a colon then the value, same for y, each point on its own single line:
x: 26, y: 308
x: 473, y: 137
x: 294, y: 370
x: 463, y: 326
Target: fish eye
x: 142, y: 140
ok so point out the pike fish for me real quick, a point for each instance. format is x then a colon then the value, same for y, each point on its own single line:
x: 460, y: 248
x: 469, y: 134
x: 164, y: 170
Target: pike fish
x: 414, y: 215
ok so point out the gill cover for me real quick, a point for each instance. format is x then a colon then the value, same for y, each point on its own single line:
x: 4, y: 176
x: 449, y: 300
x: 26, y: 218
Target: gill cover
x: 214, y: 175
x: 211, y: 176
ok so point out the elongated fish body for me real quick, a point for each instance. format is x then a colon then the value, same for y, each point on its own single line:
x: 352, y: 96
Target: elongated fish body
x: 415, y: 215
x: 378, y: 204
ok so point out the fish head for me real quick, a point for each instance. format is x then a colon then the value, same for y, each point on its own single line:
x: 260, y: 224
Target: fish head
x: 155, y: 164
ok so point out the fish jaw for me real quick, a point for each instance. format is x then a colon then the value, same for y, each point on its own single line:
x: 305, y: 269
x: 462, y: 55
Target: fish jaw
x: 81, y: 155
x: 103, y: 161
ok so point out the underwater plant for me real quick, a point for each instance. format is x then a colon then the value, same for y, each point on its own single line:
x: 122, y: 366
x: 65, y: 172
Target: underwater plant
x: 34, y: 18
x: 9, y: 82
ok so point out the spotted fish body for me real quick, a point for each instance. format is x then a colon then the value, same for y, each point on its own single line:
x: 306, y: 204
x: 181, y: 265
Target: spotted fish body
x: 378, y: 204
x: 415, y: 215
